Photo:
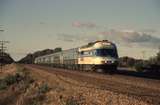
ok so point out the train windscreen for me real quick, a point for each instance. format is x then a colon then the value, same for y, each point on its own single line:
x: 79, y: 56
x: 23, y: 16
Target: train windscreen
x: 107, y: 53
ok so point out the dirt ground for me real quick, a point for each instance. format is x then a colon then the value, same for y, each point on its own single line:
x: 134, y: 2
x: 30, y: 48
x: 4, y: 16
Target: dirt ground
x: 7, y: 69
x: 44, y: 88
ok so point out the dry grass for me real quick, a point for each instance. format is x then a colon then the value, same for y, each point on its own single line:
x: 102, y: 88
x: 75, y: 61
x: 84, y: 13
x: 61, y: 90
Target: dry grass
x: 39, y: 87
x: 67, y: 91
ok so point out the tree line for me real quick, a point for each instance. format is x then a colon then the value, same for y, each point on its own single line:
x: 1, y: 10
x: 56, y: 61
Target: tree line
x: 150, y: 65
x: 5, y: 58
x: 29, y: 58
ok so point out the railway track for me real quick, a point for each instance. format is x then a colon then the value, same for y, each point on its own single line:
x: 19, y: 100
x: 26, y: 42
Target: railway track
x: 132, y: 86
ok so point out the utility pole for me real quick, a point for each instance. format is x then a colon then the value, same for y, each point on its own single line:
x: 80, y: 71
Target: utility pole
x: 143, y: 54
x: 2, y: 51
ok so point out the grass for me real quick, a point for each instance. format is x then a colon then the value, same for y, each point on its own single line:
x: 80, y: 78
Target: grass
x: 39, y: 96
x: 20, y: 75
x: 3, y: 85
x: 8, y: 80
x: 72, y: 101
x: 22, y: 81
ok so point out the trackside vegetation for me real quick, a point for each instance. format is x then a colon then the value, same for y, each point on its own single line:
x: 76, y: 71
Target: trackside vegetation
x: 150, y: 65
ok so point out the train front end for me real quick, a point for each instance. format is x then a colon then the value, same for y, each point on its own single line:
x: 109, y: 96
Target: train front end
x: 100, y: 54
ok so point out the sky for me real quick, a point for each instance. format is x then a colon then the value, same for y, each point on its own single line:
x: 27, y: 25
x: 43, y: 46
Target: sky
x: 31, y: 25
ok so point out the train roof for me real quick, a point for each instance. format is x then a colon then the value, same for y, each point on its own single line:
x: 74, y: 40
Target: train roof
x: 61, y: 52
x: 92, y: 43
x: 97, y: 44
x: 89, y: 45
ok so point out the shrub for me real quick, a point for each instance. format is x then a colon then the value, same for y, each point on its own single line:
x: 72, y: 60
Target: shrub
x: 43, y: 88
x: 139, y: 67
x: 10, y: 79
x: 7, y: 81
x: 3, y: 85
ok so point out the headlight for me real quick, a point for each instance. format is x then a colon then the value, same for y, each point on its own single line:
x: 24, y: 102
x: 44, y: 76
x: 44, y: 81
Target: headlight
x: 109, y: 62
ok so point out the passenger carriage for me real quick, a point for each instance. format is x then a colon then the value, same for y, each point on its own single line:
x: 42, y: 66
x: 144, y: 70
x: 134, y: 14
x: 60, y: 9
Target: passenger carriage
x: 96, y: 55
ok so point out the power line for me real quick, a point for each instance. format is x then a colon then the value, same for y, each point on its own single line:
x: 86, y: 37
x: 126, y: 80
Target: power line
x: 2, y: 51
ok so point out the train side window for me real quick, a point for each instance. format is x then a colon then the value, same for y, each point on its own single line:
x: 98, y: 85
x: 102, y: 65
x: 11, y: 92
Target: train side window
x: 87, y: 53
x: 82, y: 52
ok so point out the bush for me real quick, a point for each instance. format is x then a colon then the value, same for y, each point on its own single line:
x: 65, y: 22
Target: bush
x: 10, y: 79
x: 7, y: 81
x: 3, y: 85
x: 23, y: 74
x: 43, y: 88
x: 139, y: 67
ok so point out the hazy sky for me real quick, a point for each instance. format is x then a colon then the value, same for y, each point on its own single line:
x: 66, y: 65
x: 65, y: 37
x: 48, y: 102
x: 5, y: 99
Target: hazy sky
x: 31, y: 25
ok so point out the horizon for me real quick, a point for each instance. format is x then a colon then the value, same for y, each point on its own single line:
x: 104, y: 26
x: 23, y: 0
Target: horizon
x: 34, y: 25
x: 142, y: 58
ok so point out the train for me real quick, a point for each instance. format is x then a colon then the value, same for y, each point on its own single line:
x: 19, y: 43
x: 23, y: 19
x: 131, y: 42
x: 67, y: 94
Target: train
x: 93, y: 56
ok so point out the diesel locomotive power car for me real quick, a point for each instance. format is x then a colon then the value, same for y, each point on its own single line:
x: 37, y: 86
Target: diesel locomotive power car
x: 96, y: 55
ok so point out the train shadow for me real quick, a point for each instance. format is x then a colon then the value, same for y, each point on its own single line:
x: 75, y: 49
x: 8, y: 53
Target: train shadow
x: 149, y: 75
